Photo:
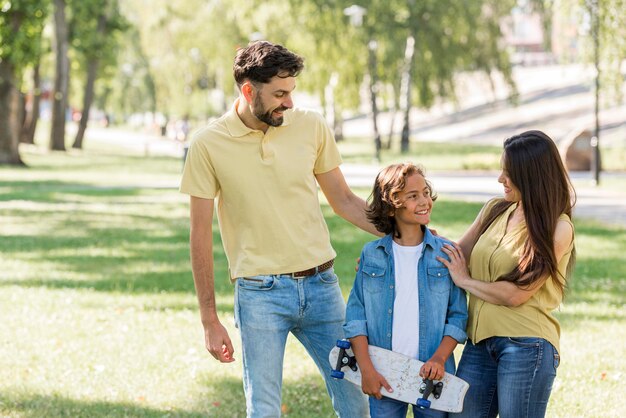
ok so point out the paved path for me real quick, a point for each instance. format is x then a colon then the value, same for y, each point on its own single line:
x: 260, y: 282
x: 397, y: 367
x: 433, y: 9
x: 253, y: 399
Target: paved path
x: 607, y: 206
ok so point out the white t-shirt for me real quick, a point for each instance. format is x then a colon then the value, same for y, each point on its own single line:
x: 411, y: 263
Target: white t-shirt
x: 405, y: 328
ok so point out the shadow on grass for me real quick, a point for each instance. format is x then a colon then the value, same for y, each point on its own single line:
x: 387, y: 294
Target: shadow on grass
x: 48, y: 191
x: 302, y: 397
x: 305, y: 397
x: 37, y: 406
x: 151, y: 255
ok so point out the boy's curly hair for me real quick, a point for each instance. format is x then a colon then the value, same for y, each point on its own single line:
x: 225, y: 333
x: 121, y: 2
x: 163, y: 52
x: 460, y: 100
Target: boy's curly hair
x: 383, y: 201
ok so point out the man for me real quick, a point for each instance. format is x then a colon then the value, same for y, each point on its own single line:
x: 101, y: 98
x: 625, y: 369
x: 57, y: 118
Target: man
x: 261, y: 161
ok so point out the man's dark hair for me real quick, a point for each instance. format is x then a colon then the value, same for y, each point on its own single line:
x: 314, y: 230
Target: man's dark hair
x: 262, y: 60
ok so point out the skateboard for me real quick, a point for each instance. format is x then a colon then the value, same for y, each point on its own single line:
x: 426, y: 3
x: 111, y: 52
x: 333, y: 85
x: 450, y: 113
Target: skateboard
x: 402, y: 374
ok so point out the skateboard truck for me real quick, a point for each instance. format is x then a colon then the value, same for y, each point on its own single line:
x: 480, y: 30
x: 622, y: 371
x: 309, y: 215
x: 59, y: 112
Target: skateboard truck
x: 427, y: 388
x: 343, y: 360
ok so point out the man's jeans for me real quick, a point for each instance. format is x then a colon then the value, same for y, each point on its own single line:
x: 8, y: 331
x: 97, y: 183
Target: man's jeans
x: 508, y: 376
x: 267, y: 309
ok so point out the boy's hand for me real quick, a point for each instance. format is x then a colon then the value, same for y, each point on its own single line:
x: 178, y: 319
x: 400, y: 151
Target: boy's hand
x: 371, y: 382
x: 433, y: 369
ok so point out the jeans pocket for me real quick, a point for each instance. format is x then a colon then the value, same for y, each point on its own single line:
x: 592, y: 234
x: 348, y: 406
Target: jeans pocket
x: 256, y: 283
x: 328, y: 276
x: 557, y: 359
x: 525, y: 341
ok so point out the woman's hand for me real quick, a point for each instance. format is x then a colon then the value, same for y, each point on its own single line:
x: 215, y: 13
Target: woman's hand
x: 457, y: 266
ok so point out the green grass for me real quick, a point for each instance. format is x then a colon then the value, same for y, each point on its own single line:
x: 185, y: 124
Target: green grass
x: 98, y: 315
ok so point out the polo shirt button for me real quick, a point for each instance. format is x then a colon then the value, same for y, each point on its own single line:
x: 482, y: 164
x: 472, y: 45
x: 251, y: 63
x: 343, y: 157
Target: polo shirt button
x: 390, y: 311
x: 389, y: 335
x: 391, y: 287
x: 439, y: 274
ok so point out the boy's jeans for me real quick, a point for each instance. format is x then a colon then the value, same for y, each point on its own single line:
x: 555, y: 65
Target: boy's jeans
x: 267, y: 308
x: 511, y: 377
x: 390, y: 408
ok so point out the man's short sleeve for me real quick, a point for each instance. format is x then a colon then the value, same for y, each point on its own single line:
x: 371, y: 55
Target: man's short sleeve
x: 328, y: 157
x: 199, y: 177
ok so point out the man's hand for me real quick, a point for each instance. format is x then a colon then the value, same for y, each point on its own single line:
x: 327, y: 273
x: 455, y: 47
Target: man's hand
x: 372, y: 381
x: 218, y: 342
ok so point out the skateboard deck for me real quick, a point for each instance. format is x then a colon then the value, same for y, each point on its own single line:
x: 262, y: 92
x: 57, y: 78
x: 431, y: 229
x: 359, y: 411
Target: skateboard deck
x: 402, y: 374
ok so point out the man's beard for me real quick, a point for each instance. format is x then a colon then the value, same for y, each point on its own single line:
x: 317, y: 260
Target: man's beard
x: 266, y: 116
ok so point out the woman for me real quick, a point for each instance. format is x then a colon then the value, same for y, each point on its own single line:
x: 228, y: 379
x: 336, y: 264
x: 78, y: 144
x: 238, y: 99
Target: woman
x: 521, y: 251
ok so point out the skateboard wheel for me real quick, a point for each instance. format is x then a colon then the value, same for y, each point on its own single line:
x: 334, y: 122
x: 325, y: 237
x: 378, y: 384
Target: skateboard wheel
x: 345, y: 344
x: 423, y: 403
x: 336, y: 374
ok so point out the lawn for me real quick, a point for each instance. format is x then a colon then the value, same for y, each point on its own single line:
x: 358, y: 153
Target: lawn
x: 98, y: 316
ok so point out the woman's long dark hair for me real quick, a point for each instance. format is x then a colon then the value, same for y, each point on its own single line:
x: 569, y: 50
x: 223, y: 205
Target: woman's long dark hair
x: 532, y: 162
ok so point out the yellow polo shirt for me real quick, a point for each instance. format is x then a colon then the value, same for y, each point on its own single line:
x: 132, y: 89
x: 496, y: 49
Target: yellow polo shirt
x: 266, y: 194
x: 495, y: 254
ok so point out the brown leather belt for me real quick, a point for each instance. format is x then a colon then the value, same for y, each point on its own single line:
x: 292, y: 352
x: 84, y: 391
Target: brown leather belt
x: 312, y: 271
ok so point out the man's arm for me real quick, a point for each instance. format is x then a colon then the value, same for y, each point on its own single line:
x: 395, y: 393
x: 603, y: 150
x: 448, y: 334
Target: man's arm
x: 201, y: 244
x: 343, y: 201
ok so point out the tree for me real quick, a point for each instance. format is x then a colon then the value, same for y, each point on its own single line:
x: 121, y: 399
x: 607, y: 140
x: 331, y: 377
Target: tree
x: 603, y: 31
x: 29, y: 127
x: 61, y: 78
x: 21, y: 24
x: 93, y: 28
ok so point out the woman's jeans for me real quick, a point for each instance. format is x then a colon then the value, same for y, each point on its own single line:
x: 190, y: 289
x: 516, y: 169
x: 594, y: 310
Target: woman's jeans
x: 508, y: 376
x: 267, y: 309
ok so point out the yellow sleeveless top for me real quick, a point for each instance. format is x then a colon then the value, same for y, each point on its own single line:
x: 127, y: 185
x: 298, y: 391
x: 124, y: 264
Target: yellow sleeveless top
x: 495, y: 254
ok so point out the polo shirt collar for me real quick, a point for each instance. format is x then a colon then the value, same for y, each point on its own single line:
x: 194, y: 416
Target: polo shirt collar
x: 237, y: 128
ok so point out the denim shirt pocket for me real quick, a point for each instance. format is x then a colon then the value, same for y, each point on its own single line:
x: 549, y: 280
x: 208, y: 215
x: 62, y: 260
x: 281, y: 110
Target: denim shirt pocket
x: 373, y: 278
x: 438, y: 279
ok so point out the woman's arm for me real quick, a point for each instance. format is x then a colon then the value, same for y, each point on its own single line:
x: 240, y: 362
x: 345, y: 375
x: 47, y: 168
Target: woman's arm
x: 500, y: 292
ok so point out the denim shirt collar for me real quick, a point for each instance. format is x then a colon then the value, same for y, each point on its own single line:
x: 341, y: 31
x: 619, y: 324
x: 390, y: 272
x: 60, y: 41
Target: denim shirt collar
x: 386, y: 242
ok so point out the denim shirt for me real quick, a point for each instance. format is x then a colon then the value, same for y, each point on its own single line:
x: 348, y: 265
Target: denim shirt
x: 442, y: 305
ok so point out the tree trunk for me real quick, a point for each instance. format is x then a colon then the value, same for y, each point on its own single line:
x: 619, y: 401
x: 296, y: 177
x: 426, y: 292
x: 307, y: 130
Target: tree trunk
x: 392, y: 122
x: 92, y: 74
x: 32, y: 115
x: 405, y: 92
x: 330, y: 107
x: 61, y: 80
x: 338, y: 126
x: 373, y: 87
x: 92, y: 70
x: 9, y: 116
